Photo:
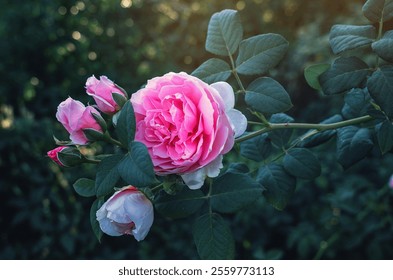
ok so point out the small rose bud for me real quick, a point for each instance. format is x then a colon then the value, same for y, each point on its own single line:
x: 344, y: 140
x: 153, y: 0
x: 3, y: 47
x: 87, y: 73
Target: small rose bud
x: 76, y: 118
x: 108, y: 96
x: 127, y: 211
x: 66, y: 156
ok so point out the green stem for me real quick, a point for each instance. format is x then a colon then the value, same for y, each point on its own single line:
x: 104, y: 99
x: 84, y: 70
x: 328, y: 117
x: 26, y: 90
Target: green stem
x: 317, y: 127
x: 109, y: 139
x: 91, y: 160
x: 157, y: 187
x: 234, y: 72
x: 326, y: 244
x: 380, y: 30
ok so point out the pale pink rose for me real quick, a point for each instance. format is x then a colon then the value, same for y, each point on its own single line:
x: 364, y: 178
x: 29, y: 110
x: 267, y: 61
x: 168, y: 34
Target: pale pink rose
x: 101, y: 90
x: 127, y: 211
x: 391, y: 182
x: 75, y: 117
x: 187, y: 125
x: 53, y: 155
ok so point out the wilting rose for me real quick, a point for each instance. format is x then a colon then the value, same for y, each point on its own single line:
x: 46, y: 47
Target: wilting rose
x: 187, y: 125
x: 102, y: 91
x: 75, y: 117
x: 127, y: 211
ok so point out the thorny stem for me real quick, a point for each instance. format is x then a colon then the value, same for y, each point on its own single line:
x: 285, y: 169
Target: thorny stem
x: 317, y: 127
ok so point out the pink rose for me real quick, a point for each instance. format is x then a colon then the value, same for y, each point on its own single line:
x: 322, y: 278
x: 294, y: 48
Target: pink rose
x: 391, y: 182
x: 53, y: 155
x: 187, y: 125
x: 75, y: 117
x: 101, y: 90
x: 127, y: 211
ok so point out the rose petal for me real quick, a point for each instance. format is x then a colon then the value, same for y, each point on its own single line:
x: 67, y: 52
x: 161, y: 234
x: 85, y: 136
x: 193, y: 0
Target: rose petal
x: 238, y: 121
x: 226, y: 92
x: 195, y: 180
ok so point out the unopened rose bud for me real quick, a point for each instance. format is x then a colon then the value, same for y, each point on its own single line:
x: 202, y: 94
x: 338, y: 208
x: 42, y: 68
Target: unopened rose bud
x: 108, y: 96
x: 76, y: 118
x: 66, y: 156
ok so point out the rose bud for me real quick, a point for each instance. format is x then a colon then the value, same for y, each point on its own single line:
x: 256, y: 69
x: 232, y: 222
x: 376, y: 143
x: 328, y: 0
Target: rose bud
x: 108, y: 96
x: 127, y: 211
x: 76, y: 118
x: 65, y: 156
x: 187, y: 125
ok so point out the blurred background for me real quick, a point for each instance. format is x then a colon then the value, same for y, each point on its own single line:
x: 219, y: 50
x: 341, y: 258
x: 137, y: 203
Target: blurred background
x: 48, y: 48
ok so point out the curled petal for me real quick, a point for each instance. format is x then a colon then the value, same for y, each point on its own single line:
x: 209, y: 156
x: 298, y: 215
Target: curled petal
x: 238, y: 121
x: 226, y: 92
x: 196, y: 179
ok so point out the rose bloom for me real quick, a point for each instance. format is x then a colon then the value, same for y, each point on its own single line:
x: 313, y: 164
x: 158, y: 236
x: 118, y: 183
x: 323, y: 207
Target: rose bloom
x: 53, y: 155
x: 187, y: 125
x: 75, y: 117
x: 101, y: 90
x: 127, y: 211
x: 391, y: 182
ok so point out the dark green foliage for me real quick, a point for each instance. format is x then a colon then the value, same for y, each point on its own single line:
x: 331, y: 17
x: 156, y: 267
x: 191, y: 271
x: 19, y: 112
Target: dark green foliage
x: 278, y: 183
x: 267, y: 96
x: 353, y: 144
x: 181, y: 205
x: 42, y: 64
x: 213, y: 237
x: 233, y: 191
x: 344, y: 74
x: 348, y: 37
x: 380, y: 85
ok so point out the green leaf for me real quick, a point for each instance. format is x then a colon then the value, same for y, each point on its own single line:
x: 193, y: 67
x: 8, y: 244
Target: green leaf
x: 213, y: 238
x: 238, y: 167
x: 125, y: 127
x: 302, y: 163
x: 321, y: 137
x: 380, y: 85
x: 224, y: 33
x: 312, y: 73
x: 120, y: 99
x: 384, y: 47
x: 267, y: 96
x: 92, y: 134
x: 357, y: 103
x: 348, y: 37
x: 93, y: 218
x: 278, y: 183
x: 377, y: 10
x: 183, y: 204
x: 280, y: 137
x: 233, y: 191
x: 213, y: 70
x: 136, y: 168
x: 257, y: 148
x: 344, y: 74
x: 85, y: 187
x: 107, y: 175
x: 385, y: 136
x: 100, y: 120
x: 259, y: 54
x: 353, y: 144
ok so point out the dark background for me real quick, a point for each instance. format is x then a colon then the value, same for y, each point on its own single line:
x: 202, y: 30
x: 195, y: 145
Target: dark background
x: 48, y: 48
